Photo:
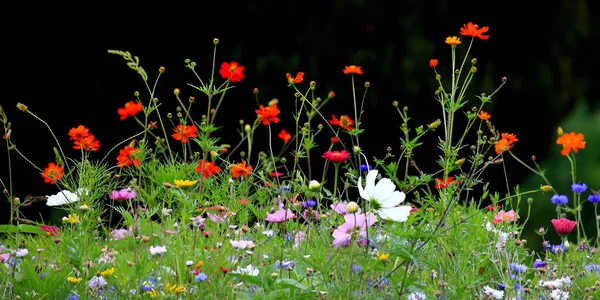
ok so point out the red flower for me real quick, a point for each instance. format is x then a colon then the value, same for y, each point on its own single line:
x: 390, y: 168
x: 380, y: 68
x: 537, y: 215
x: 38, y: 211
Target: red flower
x: 232, y: 71
x: 184, y: 132
x: 276, y: 174
x: 285, y: 136
x: 52, y: 173
x: 299, y: 78
x: 344, y: 122
x: 442, y: 185
x: 269, y: 114
x: 473, y: 30
x: 492, y: 208
x: 563, y: 226
x: 224, y: 270
x: 51, y: 230
x: 128, y: 156
x: 352, y: 70
x: 131, y: 109
x: 505, y: 143
x: 207, y: 169
x: 571, y: 141
x: 433, y: 63
x: 88, y: 143
x: 336, y: 156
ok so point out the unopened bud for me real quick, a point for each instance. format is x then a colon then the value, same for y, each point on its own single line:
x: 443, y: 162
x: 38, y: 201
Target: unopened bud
x: 352, y: 207
x: 161, y: 69
x: 136, y: 94
x: 216, y: 41
x: 504, y: 79
x: 435, y: 124
x: 314, y: 185
x: 545, y: 188
x: 84, y: 207
x: 331, y: 94
x: 255, y: 91
x: 247, y: 128
x: 395, y: 103
x: 367, y: 84
x: 560, y: 131
x: 529, y: 201
x: 274, y: 101
x: 460, y: 162
x: 356, y: 149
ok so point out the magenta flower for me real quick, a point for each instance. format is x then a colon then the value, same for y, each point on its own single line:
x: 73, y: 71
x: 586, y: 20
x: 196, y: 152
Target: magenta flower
x: 354, y: 227
x: 280, y: 215
x: 123, y: 194
x: 563, y: 226
x: 51, y: 230
x: 119, y: 234
x: 336, y: 156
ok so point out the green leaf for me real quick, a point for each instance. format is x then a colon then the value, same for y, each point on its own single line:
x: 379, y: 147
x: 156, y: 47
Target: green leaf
x: 291, y: 283
x: 8, y: 228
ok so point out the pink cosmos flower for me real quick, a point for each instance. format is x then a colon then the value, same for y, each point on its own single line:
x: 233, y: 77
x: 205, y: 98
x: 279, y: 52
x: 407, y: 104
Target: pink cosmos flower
x: 505, y: 216
x: 355, y: 225
x: 123, y: 194
x: 280, y: 215
x: 119, y: 234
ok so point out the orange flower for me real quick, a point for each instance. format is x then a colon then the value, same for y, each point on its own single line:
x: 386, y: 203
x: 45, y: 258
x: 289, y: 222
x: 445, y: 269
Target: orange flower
x: 299, y: 78
x: 453, y: 41
x: 470, y: 29
x: 442, y: 185
x: 571, y: 141
x: 184, y: 132
x: 353, y: 70
x: 285, y: 136
x: 433, y: 63
x: 240, y: 169
x: 207, y: 169
x: 131, y: 108
x: 268, y: 114
x: 484, y: 116
x: 232, y: 71
x: 128, y: 156
x: 52, y: 173
x: 87, y: 143
x: 505, y: 143
x: 334, y: 140
x: 344, y: 122
x: 78, y: 133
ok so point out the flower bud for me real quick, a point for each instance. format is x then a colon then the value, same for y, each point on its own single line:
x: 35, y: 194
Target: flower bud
x: 395, y: 103
x: 84, y: 207
x: 255, y: 91
x: 331, y: 94
x: 529, y: 201
x: 352, y: 207
x: 216, y: 41
x: 560, y: 131
x: 161, y: 69
x: 356, y: 149
x: 247, y: 128
x: 274, y: 101
x: 314, y: 185
x: 545, y: 188
x: 504, y: 79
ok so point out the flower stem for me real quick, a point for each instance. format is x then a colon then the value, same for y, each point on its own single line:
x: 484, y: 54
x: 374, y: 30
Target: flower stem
x: 335, y: 178
x: 53, y: 135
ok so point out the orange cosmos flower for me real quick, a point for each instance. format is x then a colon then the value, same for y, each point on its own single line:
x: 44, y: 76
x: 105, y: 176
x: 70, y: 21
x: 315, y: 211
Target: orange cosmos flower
x: 234, y: 76
x: 442, y: 185
x: 128, y: 156
x: 285, y: 136
x: 336, y: 156
x: 268, y: 114
x: 79, y: 132
x: 184, y: 132
x: 299, y: 78
x: 87, y: 143
x: 484, y: 116
x: 571, y: 141
x: 470, y: 29
x: 131, y: 109
x: 344, y: 122
x: 52, y: 173
x: 207, y: 169
x: 505, y: 143
x: 240, y: 169
x: 433, y: 63
x: 353, y: 70
x: 453, y: 41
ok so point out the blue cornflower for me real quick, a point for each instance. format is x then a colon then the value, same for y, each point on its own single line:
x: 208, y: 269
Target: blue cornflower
x: 538, y: 263
x: 311, y: 203
x: 519, y: 268
x: 289, y: 236
x: 591, y: 267
x: 558, y: 248
x: 517, y: 286
x: 559, y: 199
x: 594, y: 198
x: 201, y: 277
x: 546, y: 245
x: 365, y: 168
x: 97, y: 282
x: 148, y: 285
x: 578, y: 187
x: 500, y: 287
x: 72, y: 297
x: 356, y: 268
x: 286, y: 264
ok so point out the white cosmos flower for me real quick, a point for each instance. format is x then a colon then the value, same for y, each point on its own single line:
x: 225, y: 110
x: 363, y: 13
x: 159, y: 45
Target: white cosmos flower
x: 248, y: 270
x: 64, y: 197
x: 384, y: 198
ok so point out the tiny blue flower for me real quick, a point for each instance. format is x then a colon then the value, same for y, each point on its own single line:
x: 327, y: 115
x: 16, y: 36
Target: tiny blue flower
x: 558, y: 248
x: 356, y: 268
x: 365, y: 168
x: 311, y: 203
x: 517, y: 286
x: 559, y: 199
x: 289, y: 236
x: 500, y: 287
x: 72, y: 297
x: 594, y: 198
x: 578, y: 188
x: 546, y: 245
x: 519, y: 268
x: 201, y: 277
x: 538, y: 263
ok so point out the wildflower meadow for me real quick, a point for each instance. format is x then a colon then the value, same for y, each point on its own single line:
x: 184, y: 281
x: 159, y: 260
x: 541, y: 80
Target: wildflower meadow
x: 302, y: 212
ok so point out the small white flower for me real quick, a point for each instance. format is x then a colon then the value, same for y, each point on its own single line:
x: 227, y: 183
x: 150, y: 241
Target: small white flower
x: 64, y: 197
x: 268, y: 233
x: 248, y: 270
x: 384, y: 198
x: 559, y: 295
x: 488, y: 291
x: 416, y: 296
x: 154, y: 250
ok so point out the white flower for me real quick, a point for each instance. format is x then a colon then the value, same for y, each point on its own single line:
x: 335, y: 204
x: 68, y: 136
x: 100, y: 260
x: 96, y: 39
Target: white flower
x: 65, y: 196
x: 488, y: 291
x: 416, y: 296
x: 559, y: 295
x: 248, y: 270
x: 384, y: 198
x: 154, y: 250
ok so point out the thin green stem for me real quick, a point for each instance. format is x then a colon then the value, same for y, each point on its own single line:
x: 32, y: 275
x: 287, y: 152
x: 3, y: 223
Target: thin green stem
x: 54, y: 136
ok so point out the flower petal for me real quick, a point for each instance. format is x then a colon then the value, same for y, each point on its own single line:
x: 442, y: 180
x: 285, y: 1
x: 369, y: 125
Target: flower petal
x: 367, y: 192
x: 392, y: 200
x: 384, y: 189
x: 397, y: 214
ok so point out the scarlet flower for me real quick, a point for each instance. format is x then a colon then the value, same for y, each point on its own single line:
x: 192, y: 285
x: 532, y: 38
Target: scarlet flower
x: 353, y: 70
x: 128, y: 156
x: 184, y: 132
x: 234, y: 76
x: 268, y: 114
x: 505, y: 143
x: 299, y: 78
x: 130, y: 109
x: 285, y: 136
x: 473, y: 30
x: 79, y: 132
x: 240, y: 169
x: 244, y: 201
x: 52, y: 173
x: 433, y: 63
x: 344, y: 122
x: 334, y: 140
x: 453, y: 41
x: 442, y: 185
x: 571, y: 141
x: 87, y: 143
x: 563, y: 226
x: 483, y: 115
x: 492, y: 208
x: 276, y: 174
x: 207, y: 169
x: 336, y: 156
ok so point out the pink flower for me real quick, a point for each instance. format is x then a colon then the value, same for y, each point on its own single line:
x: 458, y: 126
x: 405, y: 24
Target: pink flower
x: 336, y: 156
x: 123, y: 194
x: 563, y: 226
x: 355, y: 225
x: 300, y: 236
x: 119, y: 234
x: 51, y: 230
x: 216, y: 218
x: 505, y: 216
x: 4, y: 257
x: 280, y: 215
x: 242, y: 244
x: 342, y: 208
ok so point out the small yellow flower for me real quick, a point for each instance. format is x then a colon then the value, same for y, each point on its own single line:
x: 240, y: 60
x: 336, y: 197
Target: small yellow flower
x: 382, y: 257
x: 108, y: 272
x: 74, y: 279
x: 453, y: 41
x: 72, y: 219
x: 174, y: 288
x: 185, y: 183
x: 153, y: 293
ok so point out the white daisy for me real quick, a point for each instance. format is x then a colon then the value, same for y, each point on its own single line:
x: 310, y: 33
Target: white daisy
x: 384, y: 198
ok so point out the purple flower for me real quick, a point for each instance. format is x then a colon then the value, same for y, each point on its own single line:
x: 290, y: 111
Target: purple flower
x: 201, y: 277
x: 311, y: 203
x: 356, y: 268
x: 558, y: 248
x: 286, y: 264
x: 365, y: 168
x: 97, y: 282
x: 538, y: 263
x: 519, y: 268
x: 578, y: 188
x: 559, y: 199
x: 123, y: 194
x: 594, y: 198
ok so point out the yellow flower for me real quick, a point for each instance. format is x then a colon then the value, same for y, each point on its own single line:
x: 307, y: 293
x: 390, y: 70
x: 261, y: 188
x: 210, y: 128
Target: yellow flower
x: 174, y: 289
x: 72, y: 219
x: 108, y: 272
x: 382, y: 257
x: 453, y: 41
x: 153, y: 293
x: 74, y: 279
x: 185, y: 183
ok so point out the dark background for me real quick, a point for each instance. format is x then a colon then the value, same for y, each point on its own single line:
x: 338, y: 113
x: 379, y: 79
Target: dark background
x: 56, y: 62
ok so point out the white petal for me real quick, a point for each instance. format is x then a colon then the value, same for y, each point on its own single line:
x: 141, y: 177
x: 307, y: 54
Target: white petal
x: 397, y: 214
x: 363, y: 193
x: 368, y: 192
x: 371, y: 176
x: 384, y: 189
x: 62, y: 197
x: 392, y: 200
